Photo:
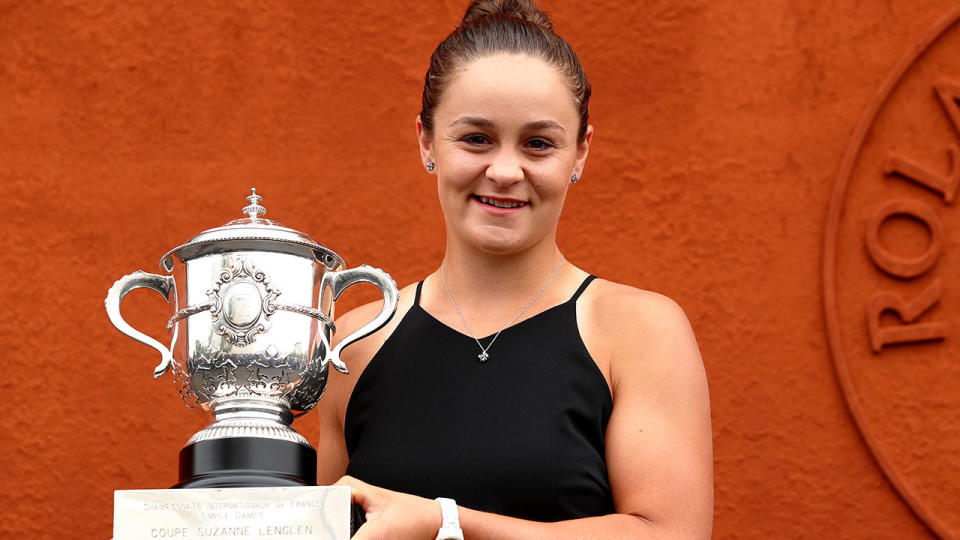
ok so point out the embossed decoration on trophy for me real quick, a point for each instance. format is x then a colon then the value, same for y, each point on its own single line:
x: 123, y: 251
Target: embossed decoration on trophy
x: 250, y: 344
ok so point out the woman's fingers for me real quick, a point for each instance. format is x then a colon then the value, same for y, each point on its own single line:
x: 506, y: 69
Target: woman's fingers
x: 359, y: 490
x: 347, y: 480
x: 370, y: 498
x: 391, y: 514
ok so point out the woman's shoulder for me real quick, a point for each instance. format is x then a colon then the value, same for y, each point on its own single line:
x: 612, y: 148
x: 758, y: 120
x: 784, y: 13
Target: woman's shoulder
x: 620, y: 306
x: 637, y: 333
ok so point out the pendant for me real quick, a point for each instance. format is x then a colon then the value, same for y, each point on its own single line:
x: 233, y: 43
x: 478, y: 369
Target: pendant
x: 483, y: 356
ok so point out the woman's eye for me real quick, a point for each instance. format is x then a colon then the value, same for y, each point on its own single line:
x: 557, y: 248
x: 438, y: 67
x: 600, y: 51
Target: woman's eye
x: 539, y: 144
x: 475, y: 139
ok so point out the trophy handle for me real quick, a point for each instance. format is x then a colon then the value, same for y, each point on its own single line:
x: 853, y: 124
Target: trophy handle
x: 339, y: 281
x: 139, y: 279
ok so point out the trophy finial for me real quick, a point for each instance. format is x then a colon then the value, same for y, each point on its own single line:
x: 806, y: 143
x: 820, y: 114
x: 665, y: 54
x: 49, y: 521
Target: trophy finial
x: 254, y: 210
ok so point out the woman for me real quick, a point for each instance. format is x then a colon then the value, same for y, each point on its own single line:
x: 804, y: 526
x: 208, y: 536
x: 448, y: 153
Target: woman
x: 546, y: 403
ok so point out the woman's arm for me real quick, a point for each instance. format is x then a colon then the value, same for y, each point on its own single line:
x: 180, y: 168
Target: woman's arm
x: 391, y: 514
x: 658, y: 440
x: 332, y: 455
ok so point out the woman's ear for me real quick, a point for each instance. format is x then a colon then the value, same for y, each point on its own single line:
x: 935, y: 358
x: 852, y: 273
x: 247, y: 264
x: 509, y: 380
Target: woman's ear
x: 583, y: 148
x: 425, y: 142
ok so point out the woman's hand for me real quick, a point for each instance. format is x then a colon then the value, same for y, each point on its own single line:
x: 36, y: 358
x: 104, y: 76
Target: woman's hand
x: 391, y: 514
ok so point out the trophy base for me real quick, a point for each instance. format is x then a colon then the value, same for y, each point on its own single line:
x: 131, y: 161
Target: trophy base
x: 290, y: 513
x: 247, y: 462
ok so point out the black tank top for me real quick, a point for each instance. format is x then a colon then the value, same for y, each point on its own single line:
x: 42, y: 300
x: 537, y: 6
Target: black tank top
x: 519, y: 435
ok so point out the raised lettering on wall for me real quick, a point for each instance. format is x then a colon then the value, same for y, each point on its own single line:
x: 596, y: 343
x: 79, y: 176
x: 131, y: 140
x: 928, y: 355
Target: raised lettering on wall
x: 895, y: 264
x: 908, y: 311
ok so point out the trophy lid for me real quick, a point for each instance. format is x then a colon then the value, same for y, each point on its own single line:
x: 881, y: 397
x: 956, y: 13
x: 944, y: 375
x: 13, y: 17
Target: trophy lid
x: 252, y: 233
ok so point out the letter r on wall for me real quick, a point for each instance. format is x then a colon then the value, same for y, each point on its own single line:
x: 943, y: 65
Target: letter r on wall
x: 909, y: 331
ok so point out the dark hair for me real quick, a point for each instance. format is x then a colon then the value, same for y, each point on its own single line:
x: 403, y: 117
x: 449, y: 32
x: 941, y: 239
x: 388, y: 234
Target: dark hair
x: 503, y: 26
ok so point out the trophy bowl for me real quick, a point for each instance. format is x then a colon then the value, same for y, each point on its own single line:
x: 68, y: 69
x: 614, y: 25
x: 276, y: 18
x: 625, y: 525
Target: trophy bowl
x: 251, y: 343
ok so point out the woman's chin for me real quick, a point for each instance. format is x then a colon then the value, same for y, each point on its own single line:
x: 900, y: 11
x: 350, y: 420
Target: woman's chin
x: 497, y: 239
x: 502, y: 244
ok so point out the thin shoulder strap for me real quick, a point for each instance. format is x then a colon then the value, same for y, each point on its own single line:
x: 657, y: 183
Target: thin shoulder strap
x: 416, y: 299
x: 583, y: 287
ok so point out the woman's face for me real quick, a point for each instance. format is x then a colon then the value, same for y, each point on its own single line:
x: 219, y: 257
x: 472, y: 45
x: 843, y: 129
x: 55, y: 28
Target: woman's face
x: 505, y: 145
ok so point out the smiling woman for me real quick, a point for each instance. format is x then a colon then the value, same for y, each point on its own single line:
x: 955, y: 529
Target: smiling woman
x: 583, y: 412
x: 502, y: 152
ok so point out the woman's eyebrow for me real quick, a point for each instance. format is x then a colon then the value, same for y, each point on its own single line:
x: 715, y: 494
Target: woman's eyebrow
x: 543, y: 124
x: 472, y: 121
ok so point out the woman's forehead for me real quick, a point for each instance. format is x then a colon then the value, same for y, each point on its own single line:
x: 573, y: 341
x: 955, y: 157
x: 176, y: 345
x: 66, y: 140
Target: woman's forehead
x: 508, y: 86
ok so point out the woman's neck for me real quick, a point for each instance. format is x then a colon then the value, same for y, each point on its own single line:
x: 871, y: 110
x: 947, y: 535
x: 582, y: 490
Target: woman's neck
x: 475, y: 277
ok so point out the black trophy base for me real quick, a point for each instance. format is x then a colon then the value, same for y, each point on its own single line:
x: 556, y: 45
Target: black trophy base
x: 247, y: 462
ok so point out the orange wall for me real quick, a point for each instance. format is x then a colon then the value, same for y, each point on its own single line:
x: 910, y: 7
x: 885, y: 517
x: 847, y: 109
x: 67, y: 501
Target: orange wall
x: 721, y: 130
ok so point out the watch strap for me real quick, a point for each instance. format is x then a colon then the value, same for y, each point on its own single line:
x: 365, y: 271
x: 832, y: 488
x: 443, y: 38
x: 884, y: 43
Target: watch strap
x: 450, y: 527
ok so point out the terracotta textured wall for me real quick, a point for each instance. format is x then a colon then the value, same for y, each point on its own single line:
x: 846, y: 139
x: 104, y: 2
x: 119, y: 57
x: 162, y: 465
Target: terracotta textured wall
x: 722, y: 130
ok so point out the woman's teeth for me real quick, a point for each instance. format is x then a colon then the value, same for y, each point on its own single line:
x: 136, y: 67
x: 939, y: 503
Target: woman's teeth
x: 501, y: 204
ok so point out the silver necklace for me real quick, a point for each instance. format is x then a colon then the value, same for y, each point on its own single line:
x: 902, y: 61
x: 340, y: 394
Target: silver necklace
x: 484, y: 355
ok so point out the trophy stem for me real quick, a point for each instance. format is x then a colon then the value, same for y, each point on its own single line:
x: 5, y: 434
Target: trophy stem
x: 244, y: 417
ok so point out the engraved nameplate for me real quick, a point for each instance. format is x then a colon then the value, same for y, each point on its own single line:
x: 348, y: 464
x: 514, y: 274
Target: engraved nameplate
x: 284, y: 513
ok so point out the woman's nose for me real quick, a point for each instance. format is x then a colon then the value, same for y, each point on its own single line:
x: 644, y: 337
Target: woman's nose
x: 506, y: 168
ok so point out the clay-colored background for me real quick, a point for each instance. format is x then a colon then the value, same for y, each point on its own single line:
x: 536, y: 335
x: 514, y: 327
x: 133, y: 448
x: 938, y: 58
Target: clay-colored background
x: 126, y: 128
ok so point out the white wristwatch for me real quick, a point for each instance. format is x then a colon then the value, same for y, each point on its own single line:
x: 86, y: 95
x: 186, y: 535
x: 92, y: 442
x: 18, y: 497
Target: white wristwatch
x: 450, y: 528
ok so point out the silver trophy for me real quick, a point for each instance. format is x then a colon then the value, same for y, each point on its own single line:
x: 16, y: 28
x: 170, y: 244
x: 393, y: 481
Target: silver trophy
x: 251, y: 325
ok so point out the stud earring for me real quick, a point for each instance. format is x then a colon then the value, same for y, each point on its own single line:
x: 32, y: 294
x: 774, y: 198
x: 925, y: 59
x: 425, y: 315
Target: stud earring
x: 430, y: 166
x: 574, y: 178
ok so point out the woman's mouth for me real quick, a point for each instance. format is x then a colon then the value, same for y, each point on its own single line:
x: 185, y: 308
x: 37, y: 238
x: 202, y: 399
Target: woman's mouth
x: 499, y: 203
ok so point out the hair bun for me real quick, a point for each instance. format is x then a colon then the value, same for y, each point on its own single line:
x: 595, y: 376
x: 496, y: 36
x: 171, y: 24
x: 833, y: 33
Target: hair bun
x: 525, y: 10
